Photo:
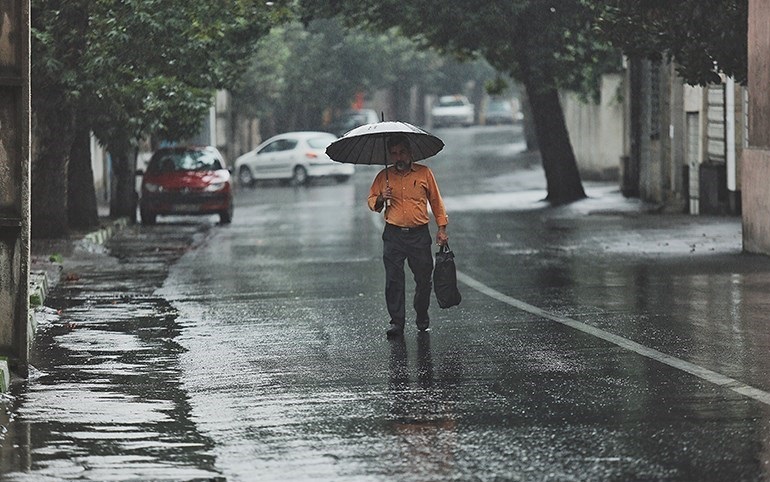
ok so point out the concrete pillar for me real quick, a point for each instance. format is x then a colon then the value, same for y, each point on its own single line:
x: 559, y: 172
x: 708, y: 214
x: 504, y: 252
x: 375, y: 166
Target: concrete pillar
x: 14, y: 184
x: 755, y: 159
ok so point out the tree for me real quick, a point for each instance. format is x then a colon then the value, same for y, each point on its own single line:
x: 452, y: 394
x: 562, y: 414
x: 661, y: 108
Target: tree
x: 126, y: 69
x: 58, y: 41
x: 545, y: 45
x: 702, y: 37
x: 300, y: 73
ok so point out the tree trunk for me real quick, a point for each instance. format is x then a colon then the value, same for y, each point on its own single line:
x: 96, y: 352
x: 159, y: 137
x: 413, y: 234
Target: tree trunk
x: 123, y: 196
x: 52, y: 138
x: 561, y: 172
x: 81, y: 195
x: 530, y: 137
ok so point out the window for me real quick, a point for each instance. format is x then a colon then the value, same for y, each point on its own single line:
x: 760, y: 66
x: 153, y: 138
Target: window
x: 279, y: 145
x: 184, y: 160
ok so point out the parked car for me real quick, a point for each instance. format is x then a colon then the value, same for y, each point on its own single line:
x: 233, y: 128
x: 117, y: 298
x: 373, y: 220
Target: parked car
x: 499, y: 111
x: 293, y: 156
x: 453, y: 110
x: 352, y: 119
x: 186, y: 180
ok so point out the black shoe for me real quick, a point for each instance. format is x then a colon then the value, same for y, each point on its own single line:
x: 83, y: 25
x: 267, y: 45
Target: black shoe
x: 396, y: 330
x: 423, y: 323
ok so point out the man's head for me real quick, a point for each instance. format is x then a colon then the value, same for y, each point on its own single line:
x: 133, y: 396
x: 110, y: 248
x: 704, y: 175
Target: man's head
x: 399, y: 151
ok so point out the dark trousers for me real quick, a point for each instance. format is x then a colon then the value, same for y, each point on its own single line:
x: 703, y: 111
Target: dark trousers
x: 414, y: 246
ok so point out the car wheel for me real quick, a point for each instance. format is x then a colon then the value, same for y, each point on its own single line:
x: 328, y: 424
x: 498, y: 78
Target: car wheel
x: 300, y: 176
x: 226, y: 216
x: 245, y: 178
x: 147, y: 217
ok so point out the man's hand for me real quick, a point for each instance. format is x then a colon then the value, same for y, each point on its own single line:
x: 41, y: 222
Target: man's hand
x: 442, y: 237
x: 384, y: 198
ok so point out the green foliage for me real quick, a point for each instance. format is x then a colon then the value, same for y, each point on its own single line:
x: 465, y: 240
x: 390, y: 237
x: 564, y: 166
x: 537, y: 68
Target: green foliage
x: 703, y: 37
x: 496, y: 86
x: 551, y: 43
x: 298, y: 72
x: 144, y: 67
x: 35, y: 300
x: 56, y: 258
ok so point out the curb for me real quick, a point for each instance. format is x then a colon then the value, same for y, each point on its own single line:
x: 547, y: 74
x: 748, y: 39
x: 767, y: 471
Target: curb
x: 39, y: 281
x: 40, y: 284
x: 100, y: 236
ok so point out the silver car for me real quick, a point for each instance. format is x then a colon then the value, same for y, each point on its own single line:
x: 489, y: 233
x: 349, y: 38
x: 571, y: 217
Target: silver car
x: 293, y: 156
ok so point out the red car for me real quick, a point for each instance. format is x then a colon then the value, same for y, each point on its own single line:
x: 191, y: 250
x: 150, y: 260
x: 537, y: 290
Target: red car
x: 186, y: 180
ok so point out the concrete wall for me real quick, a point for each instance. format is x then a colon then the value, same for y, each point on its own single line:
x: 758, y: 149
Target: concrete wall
x: 755, y: 172
x: 101, y: 169
x: 14, y: 183
x: 756, y: 200
x: 596, y: 130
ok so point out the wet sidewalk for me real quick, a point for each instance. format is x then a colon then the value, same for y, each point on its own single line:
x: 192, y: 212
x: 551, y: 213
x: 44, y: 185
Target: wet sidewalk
x: 47, y: 262
x: 104, y: 385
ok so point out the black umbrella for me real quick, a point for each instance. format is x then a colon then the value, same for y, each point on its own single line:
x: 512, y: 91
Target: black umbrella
x: 368, y: 144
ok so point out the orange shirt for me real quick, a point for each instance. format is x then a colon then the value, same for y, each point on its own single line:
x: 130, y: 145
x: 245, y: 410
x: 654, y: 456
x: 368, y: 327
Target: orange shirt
x: 412, y: 191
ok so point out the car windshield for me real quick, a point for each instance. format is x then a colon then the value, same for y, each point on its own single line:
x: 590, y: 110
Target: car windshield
x: 170, y: 161
x: 499, y: 107
x: 321, y: 142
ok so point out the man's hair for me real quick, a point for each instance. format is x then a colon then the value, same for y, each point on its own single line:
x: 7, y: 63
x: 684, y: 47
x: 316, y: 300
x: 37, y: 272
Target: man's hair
x: 397, y: 140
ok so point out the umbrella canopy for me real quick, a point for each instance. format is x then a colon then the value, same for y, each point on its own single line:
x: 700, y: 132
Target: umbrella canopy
x: 368, y: 144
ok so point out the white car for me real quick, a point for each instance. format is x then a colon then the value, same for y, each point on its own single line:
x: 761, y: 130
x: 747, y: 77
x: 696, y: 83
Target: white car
x: 292, y: 156
x: 453, y: 110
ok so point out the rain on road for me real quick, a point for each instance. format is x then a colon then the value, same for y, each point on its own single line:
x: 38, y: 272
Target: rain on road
x: 277, y: 366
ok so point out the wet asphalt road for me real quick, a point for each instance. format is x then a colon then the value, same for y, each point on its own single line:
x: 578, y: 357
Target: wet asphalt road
x: 589, y: 344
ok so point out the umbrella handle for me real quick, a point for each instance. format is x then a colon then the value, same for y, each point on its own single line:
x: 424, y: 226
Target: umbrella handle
x: 387, y: 181
x: 387, y: 184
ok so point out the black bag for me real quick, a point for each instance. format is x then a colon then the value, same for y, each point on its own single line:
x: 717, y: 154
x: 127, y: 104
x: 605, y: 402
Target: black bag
x: 445, y: 278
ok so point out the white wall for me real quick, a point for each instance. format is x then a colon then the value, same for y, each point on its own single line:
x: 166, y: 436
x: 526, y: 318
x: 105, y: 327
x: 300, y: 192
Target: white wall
x: 100, y: 167
x: 596, y: 130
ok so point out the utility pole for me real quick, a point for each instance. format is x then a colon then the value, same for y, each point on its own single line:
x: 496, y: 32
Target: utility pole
x: 14, y: 187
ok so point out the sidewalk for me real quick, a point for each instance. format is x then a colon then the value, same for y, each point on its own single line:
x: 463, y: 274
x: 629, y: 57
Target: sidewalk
x: 48, y: 258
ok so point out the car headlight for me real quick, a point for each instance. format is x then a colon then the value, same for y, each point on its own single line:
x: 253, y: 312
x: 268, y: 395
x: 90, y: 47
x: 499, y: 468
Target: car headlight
x: 214, y: 187
x: 149, y: 187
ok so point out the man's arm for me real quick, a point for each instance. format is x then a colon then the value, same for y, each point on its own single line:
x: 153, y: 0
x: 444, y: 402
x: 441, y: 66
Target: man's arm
x: 376, y: 199
x: 439, y: 211
x: 436, y: 202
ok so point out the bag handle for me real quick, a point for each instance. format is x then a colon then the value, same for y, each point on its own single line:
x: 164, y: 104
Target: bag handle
x: 444, y: 248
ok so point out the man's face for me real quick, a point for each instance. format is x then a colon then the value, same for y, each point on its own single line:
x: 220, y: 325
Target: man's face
x: 400, y: 156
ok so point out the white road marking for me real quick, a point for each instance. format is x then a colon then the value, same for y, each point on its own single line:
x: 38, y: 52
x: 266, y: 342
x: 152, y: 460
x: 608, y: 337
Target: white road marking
x: 685, y: 366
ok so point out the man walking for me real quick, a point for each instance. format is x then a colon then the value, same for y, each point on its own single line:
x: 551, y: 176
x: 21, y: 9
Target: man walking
x: 405, y: 189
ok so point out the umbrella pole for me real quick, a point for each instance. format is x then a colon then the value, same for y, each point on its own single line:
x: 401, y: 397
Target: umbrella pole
x: 387, y: 181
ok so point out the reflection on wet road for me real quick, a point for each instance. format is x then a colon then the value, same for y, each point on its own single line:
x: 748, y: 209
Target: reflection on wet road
x: 105, y: 400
